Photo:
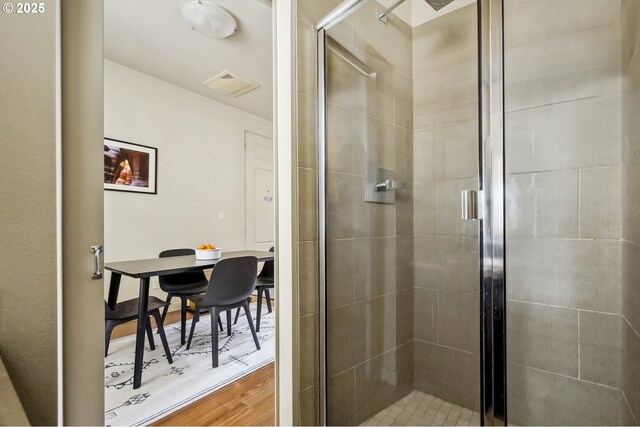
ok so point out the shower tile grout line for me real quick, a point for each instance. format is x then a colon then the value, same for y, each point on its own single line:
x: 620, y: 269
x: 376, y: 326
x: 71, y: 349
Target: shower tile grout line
x: 368, y: 299
x: 630, y: 325
x: 563, y: 306
x: 579, y: 230
x: 566, y: 376
x: 629, y: 406
x: 446, y: 346
x: 568, y: 101
x: 565, y: 169
x: 579, y: 373
x: 371, y: 358
x: 369, y: 116
x: 437, y: 316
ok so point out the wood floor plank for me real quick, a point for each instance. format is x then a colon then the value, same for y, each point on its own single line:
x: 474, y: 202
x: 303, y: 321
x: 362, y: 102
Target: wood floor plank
x: 249, y: 401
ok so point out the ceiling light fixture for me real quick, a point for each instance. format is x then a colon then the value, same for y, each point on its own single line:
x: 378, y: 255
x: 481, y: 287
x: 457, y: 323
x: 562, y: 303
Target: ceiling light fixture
x: 209, y: 19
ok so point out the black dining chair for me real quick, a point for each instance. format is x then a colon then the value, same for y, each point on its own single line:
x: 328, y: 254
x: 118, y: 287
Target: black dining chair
x: 264, y: 282
x: 183, y: 286
x: 127, y: 311
x: 232, y: 282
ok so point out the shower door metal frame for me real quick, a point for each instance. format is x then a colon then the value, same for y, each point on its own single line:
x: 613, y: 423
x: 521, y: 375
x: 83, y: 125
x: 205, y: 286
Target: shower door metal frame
x: 342, y: 11
x: 493, y: 350
x: 491, y: 182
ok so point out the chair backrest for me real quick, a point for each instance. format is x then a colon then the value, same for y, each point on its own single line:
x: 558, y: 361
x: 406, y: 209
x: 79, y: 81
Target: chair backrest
x: 168, y: 282
x: 232, y: 281
x: 267, y: 271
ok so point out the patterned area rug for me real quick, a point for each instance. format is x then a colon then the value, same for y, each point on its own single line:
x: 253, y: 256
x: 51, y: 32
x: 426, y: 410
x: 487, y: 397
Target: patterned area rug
x: 167, y: 388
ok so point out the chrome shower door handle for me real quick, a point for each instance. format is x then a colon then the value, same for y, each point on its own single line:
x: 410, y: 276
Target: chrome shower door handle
x: 470, y: 205
x: 97, y: 269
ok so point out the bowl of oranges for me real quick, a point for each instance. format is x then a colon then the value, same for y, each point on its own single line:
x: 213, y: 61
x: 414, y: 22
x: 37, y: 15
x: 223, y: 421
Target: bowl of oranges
x: 208, y: 251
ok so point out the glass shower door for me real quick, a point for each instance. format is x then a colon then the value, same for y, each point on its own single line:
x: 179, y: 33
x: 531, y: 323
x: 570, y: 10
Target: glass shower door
x: 399, y: 126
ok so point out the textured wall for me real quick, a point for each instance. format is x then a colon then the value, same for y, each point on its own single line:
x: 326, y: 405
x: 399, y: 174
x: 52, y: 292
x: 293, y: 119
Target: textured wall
x: 28, y: 344
x: 563, y: 212
x: 630, y: 60
x: 445, y: 159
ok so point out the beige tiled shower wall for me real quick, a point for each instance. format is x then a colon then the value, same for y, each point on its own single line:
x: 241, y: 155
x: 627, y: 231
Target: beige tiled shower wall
x: 630, y: 60
x: 445, y: 162
x: 370, y: 246
x: 563, y: 213
x: 573, y: 174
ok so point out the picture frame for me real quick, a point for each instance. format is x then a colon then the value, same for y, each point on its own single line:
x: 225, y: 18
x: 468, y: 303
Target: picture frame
x: 130, y: 167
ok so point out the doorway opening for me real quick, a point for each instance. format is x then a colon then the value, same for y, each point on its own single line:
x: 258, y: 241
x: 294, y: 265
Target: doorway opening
x: 189, y: 180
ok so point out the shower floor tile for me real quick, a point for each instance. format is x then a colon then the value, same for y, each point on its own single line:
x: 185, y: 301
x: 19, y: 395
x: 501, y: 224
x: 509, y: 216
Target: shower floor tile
x: 421, y: 409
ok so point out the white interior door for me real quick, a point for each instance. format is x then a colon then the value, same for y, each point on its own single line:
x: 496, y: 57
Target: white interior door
x: 259, y: 191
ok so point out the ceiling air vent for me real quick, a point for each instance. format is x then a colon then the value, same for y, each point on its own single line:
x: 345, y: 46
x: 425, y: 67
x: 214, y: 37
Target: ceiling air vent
x: 230, y: 83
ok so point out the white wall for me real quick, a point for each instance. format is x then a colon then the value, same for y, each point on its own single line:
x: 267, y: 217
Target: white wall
x: 200, y: 146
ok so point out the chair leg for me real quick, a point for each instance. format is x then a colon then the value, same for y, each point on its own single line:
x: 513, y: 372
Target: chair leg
x: 238, y: 311
x: 245, y: 305
x: 108, y: 328
x: 163, y: 337
x: 183, y: 319
x: 259, y: 309
x: 196, y: 317
x: 152, y: 343
x: 220, y: 324
x: 214, y: 337
x: 229, y: 322
x: 166, y: 309
x: 268, y: 297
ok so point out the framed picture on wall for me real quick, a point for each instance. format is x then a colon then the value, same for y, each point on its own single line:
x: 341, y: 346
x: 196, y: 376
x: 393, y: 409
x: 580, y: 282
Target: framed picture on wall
x: 130, y: 167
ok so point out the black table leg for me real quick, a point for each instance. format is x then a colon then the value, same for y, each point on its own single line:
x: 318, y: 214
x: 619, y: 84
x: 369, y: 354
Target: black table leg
x: 114, y: 288
x: 143, y: 304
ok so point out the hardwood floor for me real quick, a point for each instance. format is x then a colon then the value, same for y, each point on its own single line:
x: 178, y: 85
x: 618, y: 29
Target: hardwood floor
x: 250, y: 401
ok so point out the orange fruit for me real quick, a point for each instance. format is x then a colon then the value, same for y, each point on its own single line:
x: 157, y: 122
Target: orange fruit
x: 201, y: 247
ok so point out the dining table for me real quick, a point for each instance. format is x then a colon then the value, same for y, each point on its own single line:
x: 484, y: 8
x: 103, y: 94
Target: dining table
x: 144, y: 269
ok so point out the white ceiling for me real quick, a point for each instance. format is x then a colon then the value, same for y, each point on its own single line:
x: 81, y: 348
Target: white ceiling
x: 150, y: 36
x: 417, y: 12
